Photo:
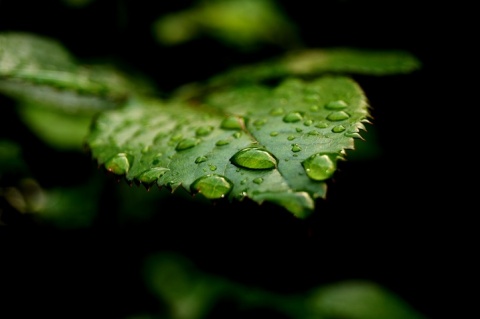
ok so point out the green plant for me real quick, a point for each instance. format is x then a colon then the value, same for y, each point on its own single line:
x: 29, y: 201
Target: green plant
x: 271, y: 132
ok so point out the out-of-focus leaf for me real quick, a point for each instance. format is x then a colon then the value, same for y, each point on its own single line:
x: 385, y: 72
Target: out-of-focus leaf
x: 276, y: 144
x: 242, y: 23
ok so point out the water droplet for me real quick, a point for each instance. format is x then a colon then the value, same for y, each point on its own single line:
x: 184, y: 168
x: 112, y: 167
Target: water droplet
x: 320, y: 167
x: 292, y: 117
x: 232, y: 123
x: 312, y: 97
x: 212, y: 186
x: 222, y: 142
x: 152, y: 174
x: 277, y: 111
x: 258, y: 180
x: 296, y: 148
x: 237, y: 134
x: 336, y: 105
x: 176, y: 137
x: 118, y: 164
x: 254, y: 158
x: 200, y: 159
x: 243, y: 181
x: 308, y: 122
x: 204, y: 131
x: 187, y: 143
x: 274, y: 133
x: 314, y: 108
x: 213, y: 168
x: 338, y: 129
x: 259, y: 123
x: 299, y: 129
x: 314, y: 133
x: 338, y: 116
x: 290, y: 137
x: 321, y: 125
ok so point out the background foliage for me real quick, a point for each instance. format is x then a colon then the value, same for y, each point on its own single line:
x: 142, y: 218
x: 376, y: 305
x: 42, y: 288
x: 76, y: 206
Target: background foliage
x: 377, y: 224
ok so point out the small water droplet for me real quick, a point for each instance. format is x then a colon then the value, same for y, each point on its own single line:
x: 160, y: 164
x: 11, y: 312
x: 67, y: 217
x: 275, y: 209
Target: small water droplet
x: 233, y: 123
x: 213, y: 168
x: 254, y: 158
x: 336, y: 105
x: 258, y: 180
x: 290, y: 137
x: 118, y: 164
x: 212, y: 186
x: 308, y: 122
x: 152, y: 174
x: 200, y: 159
x: 237, y: 134
x: 320, y: 167
x: 338, y: 116
x: 338, y: 129
x: 222, y: 142
x: 321, y: 125
x: 274, y: 133
x: 296, y: 148
x: 314, y: 108
x: 176, y: 137
x: 204, y: 130
x: 293, y: 117
x: 314, y: 133
x: 187, y: 143
x: 259, y: 123
x: 299, y: 129
x: 277, y: 111
x: 313, y: 97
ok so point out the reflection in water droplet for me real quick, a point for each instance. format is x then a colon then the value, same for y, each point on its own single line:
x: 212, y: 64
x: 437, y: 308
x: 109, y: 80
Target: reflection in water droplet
x: 232, y: 123
x: 292, y: 117
x: 338, y: 116
x: 274, y: 133
x: 186, y: 144
x: 212, y: 186
x: 200, y: 159
x: 222, y: 142
x: 277, y: 111
x: 320, y: 167
x: 118, y: 164
x: 338, y: 129
x: 254, y: 158
x: 204, y: 131
x: 258, y: 180
x: 296, y: 148
x: 152, y: 174
x: 336, y: 105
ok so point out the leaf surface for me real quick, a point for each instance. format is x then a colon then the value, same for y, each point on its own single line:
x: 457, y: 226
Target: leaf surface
x: 279, y: 144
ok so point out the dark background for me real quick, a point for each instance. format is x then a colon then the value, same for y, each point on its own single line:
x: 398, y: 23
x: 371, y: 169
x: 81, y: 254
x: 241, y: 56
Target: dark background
x: 395, y: 219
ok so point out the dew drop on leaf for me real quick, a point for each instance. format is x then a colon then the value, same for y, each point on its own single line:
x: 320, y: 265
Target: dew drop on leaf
x: 338, y: 116
x: 118, y: 164
x: 308, y: 122
x: 320, y: 167
x: 204, y: 130
x: 212, y: 186
x: 292, y: 117
x: 336, y: 105
x: 290, y: 137
x: 296, y: 148
x: 232, y: 123
x: 152, y: 174
x: 321, y: 125
x: 186, y: 144
x: 277, y: 111
x: 274, y: 133
x: 200, y: 159
x: 222, y: 142
x: 258, y: 180
x: 254, y: 158
x: 338, y: 129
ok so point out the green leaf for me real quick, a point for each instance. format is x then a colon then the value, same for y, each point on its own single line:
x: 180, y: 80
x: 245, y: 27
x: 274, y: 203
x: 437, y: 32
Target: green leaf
x: 277, y: 144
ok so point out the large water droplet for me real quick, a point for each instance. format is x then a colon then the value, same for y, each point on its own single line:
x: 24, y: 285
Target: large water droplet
x: 336, y: 105
x: 152, y: 174
x: 338, y: 116
x: 292, y: 117
x: 118, y: 164
x: 212, y: 186
x: 187, y: 143
x: 254, y: 158
x: 232, y: 123
x: 320, y: 167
